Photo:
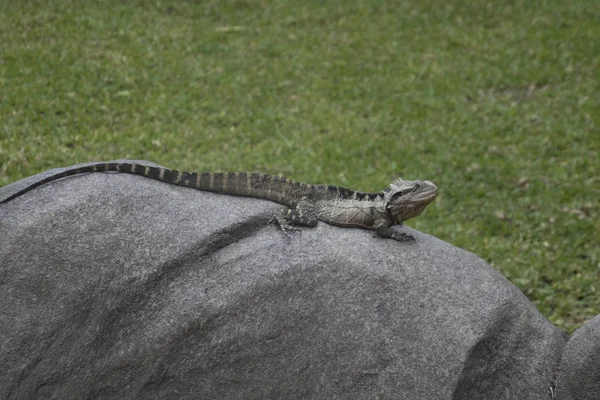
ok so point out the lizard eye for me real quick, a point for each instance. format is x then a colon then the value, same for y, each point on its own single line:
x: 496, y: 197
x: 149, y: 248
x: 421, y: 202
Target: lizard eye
x: 402, y: 193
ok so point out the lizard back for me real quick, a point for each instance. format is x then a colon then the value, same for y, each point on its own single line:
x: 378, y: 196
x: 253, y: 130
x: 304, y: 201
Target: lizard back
x: 264, y: 186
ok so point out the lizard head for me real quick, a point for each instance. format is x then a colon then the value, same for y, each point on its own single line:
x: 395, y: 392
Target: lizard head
x: 407, y: 199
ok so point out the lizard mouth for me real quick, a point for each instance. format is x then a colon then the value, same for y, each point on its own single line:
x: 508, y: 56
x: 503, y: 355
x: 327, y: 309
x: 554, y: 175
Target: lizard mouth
x: 427, y: 194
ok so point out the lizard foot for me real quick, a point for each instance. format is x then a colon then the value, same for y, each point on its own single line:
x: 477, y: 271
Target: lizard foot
x: 287, y: 228
x: 400, y: 236
x: 403, y: 237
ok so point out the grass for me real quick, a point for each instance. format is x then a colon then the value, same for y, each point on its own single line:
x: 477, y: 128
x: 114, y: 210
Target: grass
x: 498, y: 103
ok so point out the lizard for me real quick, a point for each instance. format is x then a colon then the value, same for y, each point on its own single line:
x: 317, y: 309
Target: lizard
x: 306, y: 204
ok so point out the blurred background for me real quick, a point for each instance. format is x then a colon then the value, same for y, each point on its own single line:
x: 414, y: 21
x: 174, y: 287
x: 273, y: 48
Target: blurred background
x: 497, y: 102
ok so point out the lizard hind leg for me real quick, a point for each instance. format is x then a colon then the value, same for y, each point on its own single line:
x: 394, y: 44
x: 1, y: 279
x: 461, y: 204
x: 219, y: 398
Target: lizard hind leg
x: 304, y: 214
x: 286, y: 227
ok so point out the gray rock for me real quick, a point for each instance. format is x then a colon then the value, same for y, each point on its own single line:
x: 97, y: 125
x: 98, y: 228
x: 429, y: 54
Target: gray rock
x: 115, y: 286
x: 579, y: 377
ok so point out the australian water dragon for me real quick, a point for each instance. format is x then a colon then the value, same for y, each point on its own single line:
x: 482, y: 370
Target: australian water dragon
x: 383, y: 212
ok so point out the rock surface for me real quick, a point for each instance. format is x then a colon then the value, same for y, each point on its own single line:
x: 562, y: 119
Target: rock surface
x: 579, y: 377
x: 116, y: 286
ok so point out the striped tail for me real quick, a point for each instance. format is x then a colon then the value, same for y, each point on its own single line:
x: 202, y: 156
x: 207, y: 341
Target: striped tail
x: 269, y: 187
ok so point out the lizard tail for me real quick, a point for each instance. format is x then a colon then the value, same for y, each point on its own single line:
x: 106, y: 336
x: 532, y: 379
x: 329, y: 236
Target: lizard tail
x: 99, y: 167
x: 269, y: 187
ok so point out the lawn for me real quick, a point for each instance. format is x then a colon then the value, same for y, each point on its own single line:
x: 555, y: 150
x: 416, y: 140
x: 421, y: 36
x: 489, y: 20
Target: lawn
x: 497, y: 102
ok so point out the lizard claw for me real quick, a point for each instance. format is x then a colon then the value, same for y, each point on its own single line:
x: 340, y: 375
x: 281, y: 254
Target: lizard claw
x: 285, y: 226
x: 403, y: 237
x: 400, y: 236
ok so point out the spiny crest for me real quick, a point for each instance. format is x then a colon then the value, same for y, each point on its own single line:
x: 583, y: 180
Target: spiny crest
x: 398, y: 186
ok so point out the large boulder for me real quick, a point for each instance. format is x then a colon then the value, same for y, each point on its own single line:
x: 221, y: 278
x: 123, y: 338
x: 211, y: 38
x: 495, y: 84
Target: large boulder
x: 579, y: 377
x: 116, y: 286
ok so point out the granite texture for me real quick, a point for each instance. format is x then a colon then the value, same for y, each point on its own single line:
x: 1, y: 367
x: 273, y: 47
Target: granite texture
x: 579, y: 377
x: 115, y: 286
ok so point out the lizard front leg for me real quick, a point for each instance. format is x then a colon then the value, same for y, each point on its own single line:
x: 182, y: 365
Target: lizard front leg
x: 383, y: 229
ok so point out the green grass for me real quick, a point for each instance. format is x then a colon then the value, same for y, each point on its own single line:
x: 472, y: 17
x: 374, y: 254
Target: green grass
x: 498, y: 103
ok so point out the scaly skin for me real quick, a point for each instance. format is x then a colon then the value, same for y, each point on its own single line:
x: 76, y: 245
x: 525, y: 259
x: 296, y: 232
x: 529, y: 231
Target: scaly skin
x: 383, y: 212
